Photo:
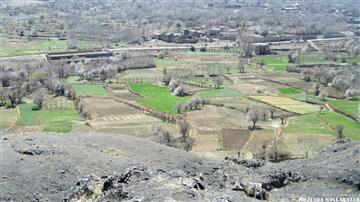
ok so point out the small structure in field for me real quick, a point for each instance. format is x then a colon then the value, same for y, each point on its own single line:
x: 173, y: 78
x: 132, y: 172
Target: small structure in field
x: 262, y: 49
x: 76, y: 56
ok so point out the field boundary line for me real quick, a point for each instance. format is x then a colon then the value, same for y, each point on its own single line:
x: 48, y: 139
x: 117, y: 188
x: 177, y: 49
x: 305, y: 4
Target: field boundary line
x: 331, y: 108
x: 260, y: 101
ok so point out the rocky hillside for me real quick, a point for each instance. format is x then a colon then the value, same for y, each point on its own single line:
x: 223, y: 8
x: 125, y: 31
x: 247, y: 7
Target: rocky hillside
x: 112, y: 167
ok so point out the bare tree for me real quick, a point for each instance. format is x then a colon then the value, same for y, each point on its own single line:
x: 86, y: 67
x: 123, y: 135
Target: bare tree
x: 196, y: 101
x: 179, y: 107
x: 180, y: 91
x: 294, y: 56
x: 173, y: 84
x: 339, y: 129
x: 274, y: 148
x: 39, y: 100
x: 241, y: 66
x: 272, y: 111
x: 352, y: 93
x: 72, y: 40
x: 218, y: 82
x: 316, y: 88
x: 307, y: 73
x: 11, y: 96
x: 184, y: 128
x: 159, y: 135
x: 254, y: 115
x: 283, y: 117
x: 307, y: 143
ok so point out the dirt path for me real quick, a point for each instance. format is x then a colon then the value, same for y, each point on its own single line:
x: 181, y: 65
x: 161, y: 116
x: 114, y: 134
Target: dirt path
x: 329, y: 107
x: 282, y: 129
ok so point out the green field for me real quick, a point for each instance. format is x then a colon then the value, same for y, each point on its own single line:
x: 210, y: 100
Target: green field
x: 274, y: 62
x: 306, y: 98
x: 73, y: 79
x: 55, y: 120
x: 223, y: 92
x: 9, y: 49
x: 157, y: 97
x: 280, y: 62
x: 309, y: 124
x: 287, y: 91
x: 323, y: 124
x: 90, y: 90
x: 349, y: 107
x: 351, y: 128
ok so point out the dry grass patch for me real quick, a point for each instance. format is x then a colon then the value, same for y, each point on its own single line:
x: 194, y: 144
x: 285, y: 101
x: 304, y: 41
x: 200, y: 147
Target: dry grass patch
x: 287, y: 104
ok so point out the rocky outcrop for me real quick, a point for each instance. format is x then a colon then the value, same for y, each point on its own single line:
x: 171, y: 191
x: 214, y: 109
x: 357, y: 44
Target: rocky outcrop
x: 79, y: 167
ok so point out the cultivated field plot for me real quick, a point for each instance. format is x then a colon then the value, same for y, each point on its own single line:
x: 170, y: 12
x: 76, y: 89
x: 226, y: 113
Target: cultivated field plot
x: 223, y: 92
x: 291, y: 142
x: 121, y: 91
x: 350, y: 107
x: 144, y: 74
x: 234, y: 139
x: 58, y: 103
x: 351, y: 128
x: 23, y: 47
x: 50, y: 120
x: 108, y: 115
x: 90, y: 90
x: 8, y: 117
x: 281, y: 61
x: 102, y: 107
x: 309, y: 124
x: 287, y: 104
x: 157, y: 97
x: 213, y: 62
x: 211, y: 118
x: 257, y: 139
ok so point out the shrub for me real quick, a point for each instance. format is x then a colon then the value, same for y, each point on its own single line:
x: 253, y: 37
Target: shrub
x: 159, y: 135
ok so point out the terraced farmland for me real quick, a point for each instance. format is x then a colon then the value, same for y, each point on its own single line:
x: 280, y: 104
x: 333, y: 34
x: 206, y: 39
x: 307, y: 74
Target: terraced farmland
x: 287, y: 104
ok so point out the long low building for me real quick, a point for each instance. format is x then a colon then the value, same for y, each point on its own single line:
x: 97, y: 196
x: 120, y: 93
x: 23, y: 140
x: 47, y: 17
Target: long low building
x: 78, y: 55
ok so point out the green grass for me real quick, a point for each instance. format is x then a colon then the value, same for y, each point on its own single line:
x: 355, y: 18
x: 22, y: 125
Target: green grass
x: 324, y: 124
x: 59, y: 120
x: 54, y: 120
x: 287, y: 91
x: 9, y: 49
x: 309, y: 124
x: 73, y: 79
x: 280, y: 62
x: 349, y: 107
x: 306, y: 98
x: 224, y: 92
x: 313, y: 58
x: 157, y: 97
x: 28, y: 117
x: 90, y: 90
x: 351, y: 128
x: 274, y: 62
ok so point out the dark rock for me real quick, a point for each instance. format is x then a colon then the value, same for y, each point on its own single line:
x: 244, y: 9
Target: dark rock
x: 256, y: 190
x: 238, y: 186
x: 248, y: 163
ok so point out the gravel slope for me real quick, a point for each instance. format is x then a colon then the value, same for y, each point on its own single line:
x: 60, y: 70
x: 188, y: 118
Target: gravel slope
x: 110, y: 167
